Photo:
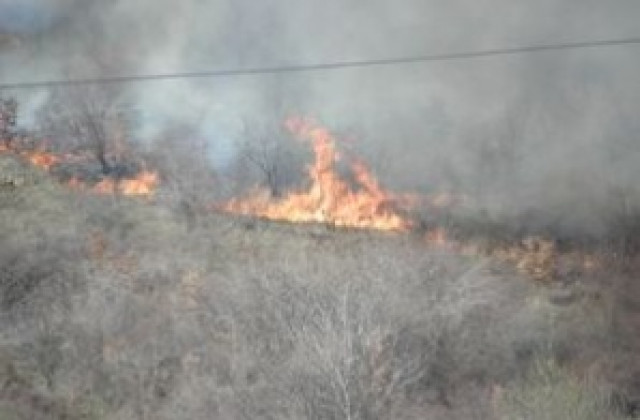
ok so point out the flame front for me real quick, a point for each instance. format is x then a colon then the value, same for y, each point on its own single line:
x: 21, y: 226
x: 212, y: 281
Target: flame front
x: 143, y: 185
x: 38, y: 157
x: 42, y: 159
x: 329, y: 199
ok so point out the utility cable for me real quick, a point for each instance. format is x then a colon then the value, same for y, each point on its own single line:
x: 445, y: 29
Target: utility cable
x: 336, y: 65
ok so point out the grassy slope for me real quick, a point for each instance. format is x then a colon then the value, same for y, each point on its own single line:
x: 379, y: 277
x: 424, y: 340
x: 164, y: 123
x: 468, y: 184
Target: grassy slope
x: 117, y: 308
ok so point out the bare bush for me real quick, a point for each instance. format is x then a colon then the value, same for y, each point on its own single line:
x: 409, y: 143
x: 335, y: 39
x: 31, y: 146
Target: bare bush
x: 269, y: 322
x: 350, y: 345
x: 8, y: 118
x: 188, y: 183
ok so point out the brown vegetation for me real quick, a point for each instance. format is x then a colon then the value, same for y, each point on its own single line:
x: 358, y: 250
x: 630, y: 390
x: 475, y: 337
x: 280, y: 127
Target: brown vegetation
x: 121, y: 309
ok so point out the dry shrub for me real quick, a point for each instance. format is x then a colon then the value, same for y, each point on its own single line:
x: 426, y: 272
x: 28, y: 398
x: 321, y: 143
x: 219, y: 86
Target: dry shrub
x: 550, y: 392
x: 271, y: 321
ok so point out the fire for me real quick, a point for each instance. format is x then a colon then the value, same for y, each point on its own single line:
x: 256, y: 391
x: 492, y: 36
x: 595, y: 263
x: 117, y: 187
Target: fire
x: 329, y: 199
x: 38, y: 157
x: 42, y: 159
x: 143, y: 184
x: 535, y: 257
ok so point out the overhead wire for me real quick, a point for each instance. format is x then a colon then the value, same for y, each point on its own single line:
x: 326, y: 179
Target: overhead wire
x: 316, y: 67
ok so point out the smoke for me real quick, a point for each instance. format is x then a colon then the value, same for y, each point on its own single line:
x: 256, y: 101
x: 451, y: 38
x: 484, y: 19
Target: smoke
x: 550, y: 133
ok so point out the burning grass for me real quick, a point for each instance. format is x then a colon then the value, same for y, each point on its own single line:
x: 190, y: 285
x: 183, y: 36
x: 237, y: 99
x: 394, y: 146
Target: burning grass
x: 144, y: 184
x: 329, y: 198
x: 332, y: 200
x: 141, y: 184
x: 536, y: 257
x: 37, y: 156
x: 364, y: 204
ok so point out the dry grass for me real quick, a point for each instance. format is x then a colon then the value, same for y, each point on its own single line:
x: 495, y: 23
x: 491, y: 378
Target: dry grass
x: 550, y: 392
x: 126, y: 310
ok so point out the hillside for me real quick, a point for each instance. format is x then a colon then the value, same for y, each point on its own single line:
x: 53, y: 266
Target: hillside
x: 114, y: 308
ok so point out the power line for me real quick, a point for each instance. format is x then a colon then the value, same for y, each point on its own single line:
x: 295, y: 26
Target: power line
x: 337, y: 65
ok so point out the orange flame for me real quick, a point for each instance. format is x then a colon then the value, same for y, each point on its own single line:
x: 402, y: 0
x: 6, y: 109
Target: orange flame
x: 329, y: 199
x: 38, y: 157
x: 535, y: 257
x: 143, y: 185
x: 42, y: 159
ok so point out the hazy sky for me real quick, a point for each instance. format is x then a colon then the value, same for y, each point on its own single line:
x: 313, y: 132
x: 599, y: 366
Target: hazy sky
x: 26, y: 16
x: 157, y: 36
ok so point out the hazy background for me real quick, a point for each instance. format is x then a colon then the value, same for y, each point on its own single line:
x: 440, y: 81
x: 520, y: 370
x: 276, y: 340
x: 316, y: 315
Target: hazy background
x: 553, y: 134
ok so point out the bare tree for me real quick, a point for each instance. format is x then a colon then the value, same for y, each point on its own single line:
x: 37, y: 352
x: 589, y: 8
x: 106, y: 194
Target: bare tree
x: 91, y: 118
x: 267, y: 157
x: 88, y: 118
